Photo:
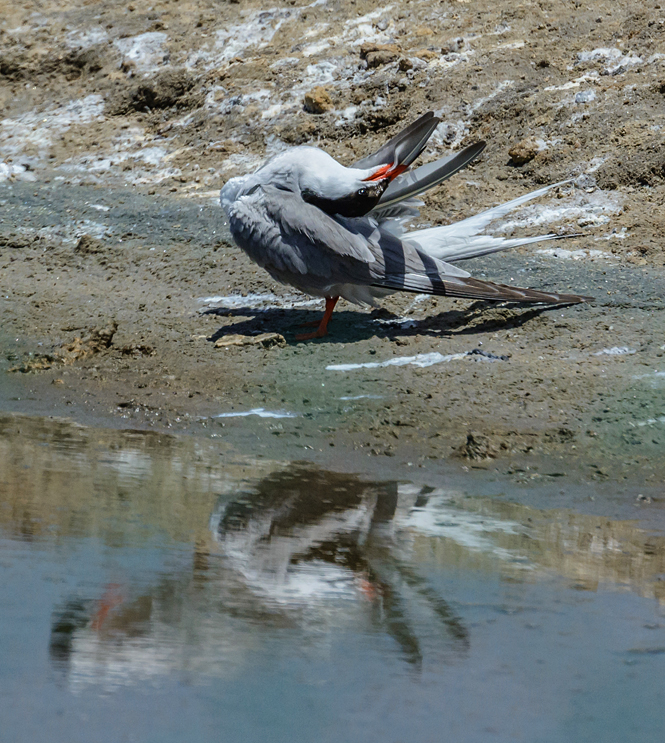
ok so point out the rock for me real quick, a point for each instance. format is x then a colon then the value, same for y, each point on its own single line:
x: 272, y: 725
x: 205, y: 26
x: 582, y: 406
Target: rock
x: 585, y: 181
x: 369, y: 48
x: 477, y: 448
x: 379, y: 54
x: 523, y: 152
x: 166, y: 89
x: 88, y: 245
x: 97, y: 340
x: 426, y: 54
x: 318, y: 100
x: 377, y: 59
x: 585, y: 96
x: 423, y: 31
x: 267, y: 340
x: 453, y: 45
x: 405, y: 64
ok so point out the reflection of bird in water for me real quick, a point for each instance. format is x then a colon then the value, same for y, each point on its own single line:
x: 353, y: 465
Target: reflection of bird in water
x: 305, y: 549
x: 303, y: 533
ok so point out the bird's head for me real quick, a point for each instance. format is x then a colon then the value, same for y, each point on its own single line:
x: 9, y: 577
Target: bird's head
x: 320, y: 180
x: 334, y: 189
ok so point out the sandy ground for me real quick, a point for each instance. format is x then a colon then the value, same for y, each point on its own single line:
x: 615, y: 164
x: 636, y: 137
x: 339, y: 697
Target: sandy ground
x: 117, y: 276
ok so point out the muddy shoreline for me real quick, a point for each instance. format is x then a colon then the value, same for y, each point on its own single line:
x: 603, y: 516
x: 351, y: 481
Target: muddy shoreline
x: 117, y: 276
x: 577, y: 384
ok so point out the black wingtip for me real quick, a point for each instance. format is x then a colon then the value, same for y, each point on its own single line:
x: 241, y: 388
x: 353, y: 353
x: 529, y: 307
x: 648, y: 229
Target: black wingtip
x: 431, y: 174
x: 405, y: 146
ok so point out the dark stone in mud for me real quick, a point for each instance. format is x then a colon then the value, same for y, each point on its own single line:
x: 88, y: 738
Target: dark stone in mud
x: 477, y: 448
x: 523, y: 152
x: 88, y: 245
x: 15, y: 241
x: 167, y: 89
x: 488, y: 355
x: 15, y: 64
x: 377, y: 59
x: 12, y: 64
x: 644, y: 166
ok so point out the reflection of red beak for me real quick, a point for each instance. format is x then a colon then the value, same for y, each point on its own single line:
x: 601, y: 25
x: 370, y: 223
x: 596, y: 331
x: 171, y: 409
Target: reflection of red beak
x: 387, y: 171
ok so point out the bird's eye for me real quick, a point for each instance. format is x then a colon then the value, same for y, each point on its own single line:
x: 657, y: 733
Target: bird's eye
x: 362, y: 192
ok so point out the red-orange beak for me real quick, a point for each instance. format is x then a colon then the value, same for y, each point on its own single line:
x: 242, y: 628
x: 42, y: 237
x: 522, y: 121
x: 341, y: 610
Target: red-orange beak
x: 387, y: 171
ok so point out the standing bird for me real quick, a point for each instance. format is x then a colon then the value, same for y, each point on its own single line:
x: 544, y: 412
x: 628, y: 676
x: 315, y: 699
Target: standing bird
x: 332, y: 231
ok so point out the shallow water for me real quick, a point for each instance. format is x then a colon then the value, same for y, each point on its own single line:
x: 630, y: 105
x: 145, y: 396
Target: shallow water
x: 156, y: 588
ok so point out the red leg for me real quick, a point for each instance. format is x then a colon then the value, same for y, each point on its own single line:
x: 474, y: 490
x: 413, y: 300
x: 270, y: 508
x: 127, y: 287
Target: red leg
x: 112, y: 597
x: 323, y: 325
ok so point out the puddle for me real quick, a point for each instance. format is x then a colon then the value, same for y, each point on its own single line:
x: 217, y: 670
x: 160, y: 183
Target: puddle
x: 162, y: 589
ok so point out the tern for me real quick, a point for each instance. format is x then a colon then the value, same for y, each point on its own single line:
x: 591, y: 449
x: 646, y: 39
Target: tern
x: 333, y: 231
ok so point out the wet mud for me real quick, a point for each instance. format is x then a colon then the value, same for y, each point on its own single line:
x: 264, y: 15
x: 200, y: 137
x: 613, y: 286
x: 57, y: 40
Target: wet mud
x: 124, y: 302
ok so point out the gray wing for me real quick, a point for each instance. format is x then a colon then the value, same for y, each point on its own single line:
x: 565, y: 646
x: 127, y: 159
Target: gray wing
x: 470, y: 288
x: 299, y: 243
x: 403, y: 267
x: 279, y: 231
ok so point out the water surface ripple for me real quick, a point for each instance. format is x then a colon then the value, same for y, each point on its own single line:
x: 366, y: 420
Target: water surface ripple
x: 161, y: 589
